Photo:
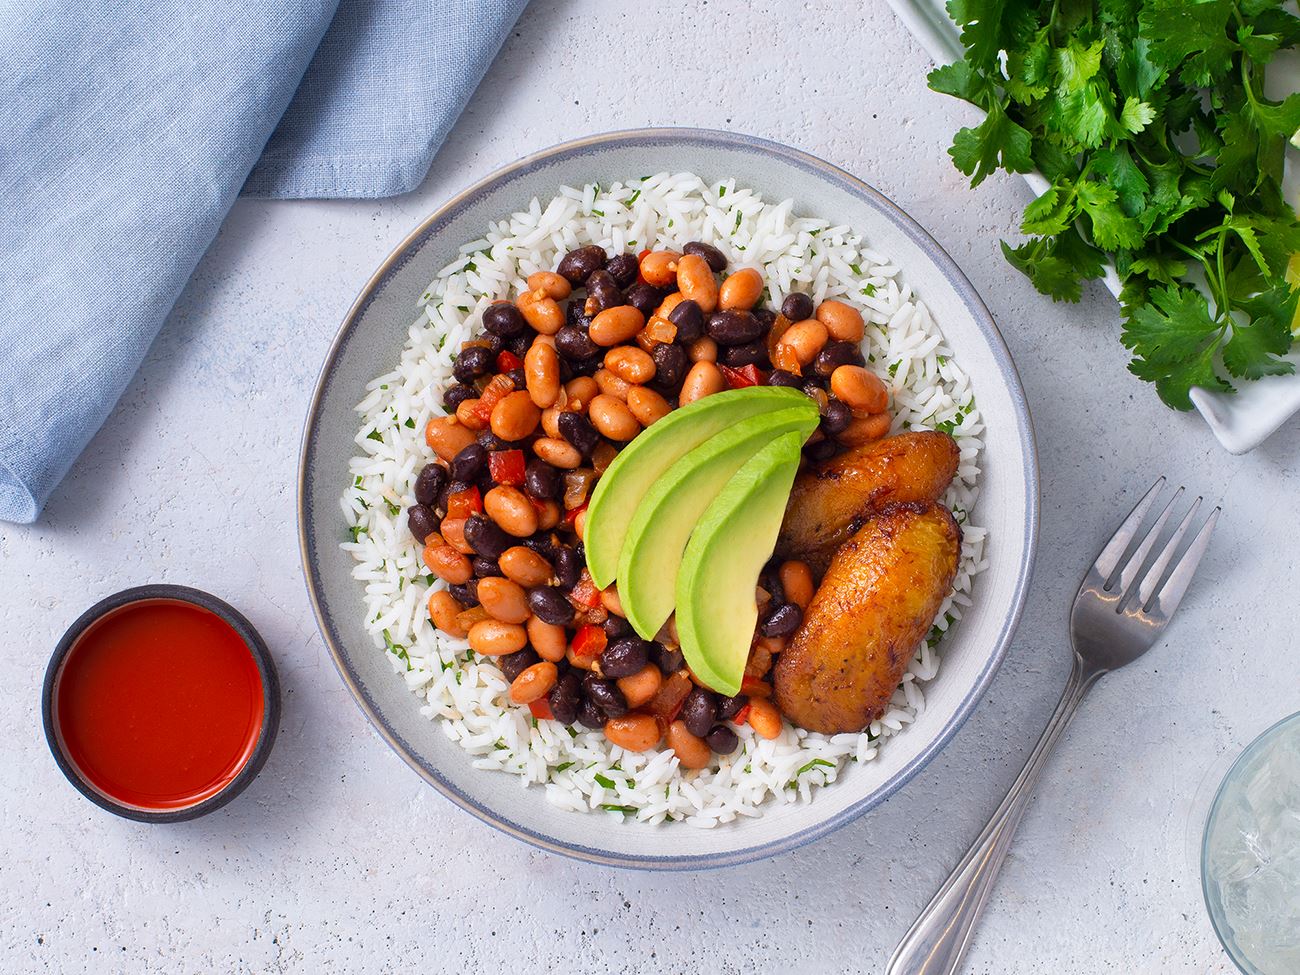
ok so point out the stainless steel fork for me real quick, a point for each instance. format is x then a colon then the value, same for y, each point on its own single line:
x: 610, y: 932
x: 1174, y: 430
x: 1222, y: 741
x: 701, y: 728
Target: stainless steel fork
x: 1117, y: 615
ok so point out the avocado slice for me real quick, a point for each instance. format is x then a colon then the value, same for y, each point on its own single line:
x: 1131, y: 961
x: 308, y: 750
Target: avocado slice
x: 653, y: 451
x: 716, y: 609
x: 657, y: 536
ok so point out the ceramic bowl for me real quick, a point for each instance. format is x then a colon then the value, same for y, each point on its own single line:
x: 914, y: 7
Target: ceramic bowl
x: 369, y: 342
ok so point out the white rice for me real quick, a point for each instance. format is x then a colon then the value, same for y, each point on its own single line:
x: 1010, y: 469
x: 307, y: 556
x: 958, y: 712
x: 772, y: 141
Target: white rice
x: 581, y: 770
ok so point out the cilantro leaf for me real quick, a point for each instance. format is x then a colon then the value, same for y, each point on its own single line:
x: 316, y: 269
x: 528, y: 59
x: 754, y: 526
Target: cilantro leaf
x: 997, y: 141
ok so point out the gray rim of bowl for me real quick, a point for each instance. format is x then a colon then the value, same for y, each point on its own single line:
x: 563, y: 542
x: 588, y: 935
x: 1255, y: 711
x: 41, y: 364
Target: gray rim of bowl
x: 266, y: 672
x: 810, y: 164
x: 1233, y: 953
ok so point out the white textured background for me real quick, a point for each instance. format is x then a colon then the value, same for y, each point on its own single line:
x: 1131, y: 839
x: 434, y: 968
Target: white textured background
x: 340, y: 859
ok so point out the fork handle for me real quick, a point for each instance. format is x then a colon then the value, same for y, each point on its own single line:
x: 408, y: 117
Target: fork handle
x: 937, y: 941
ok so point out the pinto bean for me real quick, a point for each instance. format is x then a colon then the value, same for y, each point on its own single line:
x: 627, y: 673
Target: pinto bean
x: 552, y: 285
x: 640, y: 687
x: 447, y: 564
x: 548, y: 639
x: 516, y: 416
x: 557, y: 452
x: 703, y: 380
x: 511, y: 510
x: 659, y: 268
x: 504, y: 600
x: 803, y: 340
x: 447, y: 437
x: 525, y: 567
x: 843, y: 322
x: 613, y: 326
x: 542, y: 372
x: 492, y: 638
x: 443, y: 610
x: 696, y: 282
x: 741, y: 290
x: 630, y: 364
x: 634, y: 732
x: 860, y: 389
x: 647, y: 405
x: 534, y: 683
x: 613, y: 419
x: 691, y: 751
x: 544, y: 314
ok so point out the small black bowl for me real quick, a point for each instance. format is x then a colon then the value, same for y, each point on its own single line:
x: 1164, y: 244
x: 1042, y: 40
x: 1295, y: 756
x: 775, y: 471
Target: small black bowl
x: 261, y: 658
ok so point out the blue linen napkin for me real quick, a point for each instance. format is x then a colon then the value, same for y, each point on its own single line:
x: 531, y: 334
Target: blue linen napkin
x: 129, y: 128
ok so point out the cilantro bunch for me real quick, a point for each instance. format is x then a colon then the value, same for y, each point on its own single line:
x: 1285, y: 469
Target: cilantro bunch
x: 1149, y: 119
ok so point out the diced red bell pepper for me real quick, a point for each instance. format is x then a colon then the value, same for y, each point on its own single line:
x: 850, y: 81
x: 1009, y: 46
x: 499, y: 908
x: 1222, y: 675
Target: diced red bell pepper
x: 462, y: 504
x: 541, y: 708
x: 741, y: 716
x: 506, y: 466
x: 639, y: 258
x: 571, y: 516
x: 585, y: 595
x: 749, y: 375
x: 672, y: 694
x: 497, y: 389
x: 589, y: 642
x: 507, y: 360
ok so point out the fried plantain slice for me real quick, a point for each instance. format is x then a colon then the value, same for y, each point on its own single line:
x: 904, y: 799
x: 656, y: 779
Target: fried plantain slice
x: 834, y: 499
x: 876, y: 603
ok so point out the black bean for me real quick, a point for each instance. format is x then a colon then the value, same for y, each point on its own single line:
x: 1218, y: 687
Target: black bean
x: 574, y: 344
x: 714, y: 257
x: 770, y: 580
x: 455, y: 394
x: 644, y: 298
x: 568, y: 567
x: 729, y: 707
x: 605, y: 695
x: 589, y: 366
x: 722, y: 740
x: 779, y: 377
x: 422, y: 522
x: 821, y: 450
x: 578, y: 265
x: 519, y: 344
x: 671, y: 364
x: 811, y: 383
x: 836, y: 418
x: 733, y: 327
x: 782, y: 621
x: 514, y: 664
x: 466, y: 595
x: 579, y: 431
x: 473, y: 362
x: 623, y: 268
x: 669, y: 659
x: 469, y: 463
x: 566, y: 697
x: 485, y: 537
x: 542, y: 481
x: 589, y: 715
x: 766, y: 317
x: 517, y: 377
x: 836, y: 354
x: 429, y: 484
x: 699, y: 711
x: 616, y: 628
x: 797, y: 306
x: 602, y: 292
x: 543, y: 543
x: 689, y: 321
x: 549, y: 605
x: 749, y: 354
x: 486, y: 568
x: 504, y: 319
x: 623, y: 658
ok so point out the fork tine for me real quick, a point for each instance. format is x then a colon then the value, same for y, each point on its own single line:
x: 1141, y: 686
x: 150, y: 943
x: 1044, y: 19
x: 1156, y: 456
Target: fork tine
x: 1109, y: 558
x: 1147, y: 587
x: 1171, y: 593
x: 1133, y: 567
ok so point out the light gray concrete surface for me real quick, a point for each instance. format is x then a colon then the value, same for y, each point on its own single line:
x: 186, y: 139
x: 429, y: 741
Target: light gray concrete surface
x: 340, y: 859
